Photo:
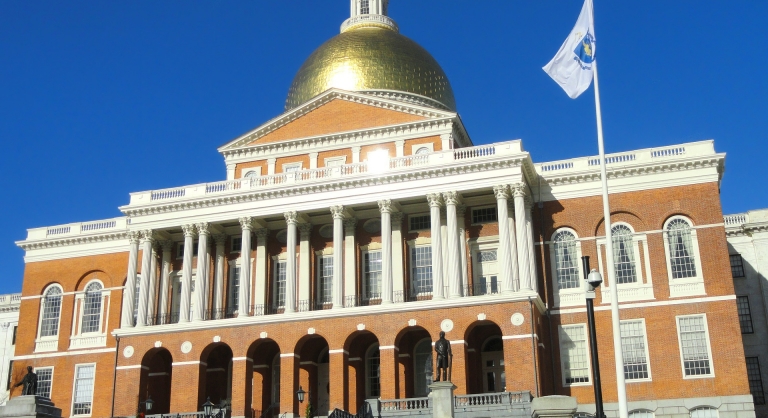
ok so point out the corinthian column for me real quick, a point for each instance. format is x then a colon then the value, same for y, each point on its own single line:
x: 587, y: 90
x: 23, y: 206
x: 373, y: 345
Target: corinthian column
x: 385, y: 206
x: 129, y: 293
x: 305, y: 254
x: 218, y: 275
x: 152, y: 302
x: 338, y: 256
x: 147, y: 240
x: 435, y: 200
x: 260, y: 280
x: 291, y: 218
x: 529, y: 240
x: 398, y: 283
x: 454, y: 259
x: 507, y: 259
x: 186, y: 273
x: 246, y: 223
x: 523, y: 253
x: 460, y: 211
x: 349, y: 262
x: 201, y: 289
x: 165, y: 274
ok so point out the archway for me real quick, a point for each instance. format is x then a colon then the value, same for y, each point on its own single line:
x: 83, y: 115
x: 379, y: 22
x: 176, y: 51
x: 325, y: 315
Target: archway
x: 265, y: 393
x: 313, y: 375
x: 485, y: 358
x: 415, y: 362
x: 216, y: 374
x: 155, y: 380
x: 363, y: 368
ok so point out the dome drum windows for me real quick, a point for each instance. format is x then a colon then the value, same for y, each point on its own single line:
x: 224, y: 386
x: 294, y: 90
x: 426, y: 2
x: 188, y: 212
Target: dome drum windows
x: 681, y: 247
x: 632, y: 265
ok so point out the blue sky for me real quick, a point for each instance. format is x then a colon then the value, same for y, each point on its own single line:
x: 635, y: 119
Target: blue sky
x: 103, y: 98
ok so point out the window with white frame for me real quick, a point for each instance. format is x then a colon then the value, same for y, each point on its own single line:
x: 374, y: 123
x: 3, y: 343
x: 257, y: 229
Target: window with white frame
x: 695, y: 351
x: 737, y: 265
x: 641, y: 413
x: 92, y: 305
x: 485, y: 272
x: 566, y: 260
x: 83, y: 390
x: 291, y: 168
x: 136, y: 296
x: 279, y: 289
x: 372, y: 275
x: 623, y: 254
x: 237, y: 244
x: 634, y: 346
x: 364, y: 7
x: 372, y: 372
x: 50, y: 312
x: 574, y: 359
x: 44, y: 381
x: 755, y: 381
x: 704, y: 412
x: 421, y: 277
x: 745, y: 316
x: 335, y: 161
x: 325, y: 279
x: 681, y: 254
x: 233, y: 293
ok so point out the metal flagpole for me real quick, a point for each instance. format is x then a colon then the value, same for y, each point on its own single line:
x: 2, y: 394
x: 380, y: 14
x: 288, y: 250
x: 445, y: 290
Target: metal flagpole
x: 617, y: 352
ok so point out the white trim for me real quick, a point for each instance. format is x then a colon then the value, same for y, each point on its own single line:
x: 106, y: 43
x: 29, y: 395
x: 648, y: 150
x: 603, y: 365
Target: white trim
x: 241, y: 359
x: 74, y: 385
x: 65, y: 353
x: 689, y: 286
x: 518, y: 337
x: 709, y: 347
x: 647, y: 353
x: 560, y: 331
x: 331, y: 161
x: 188, y: 363
x: 648, y: 304
x: 43, y: 367
x: 284, y: 355
x: 472, y: 214
x: 134, y: 366
x: 652, y: 231
x: 31, y: 297
x: 388, y: 347
x: 298, y: 164
x: 641, y: 289
x: 573, y: 296
x: 338, y: 351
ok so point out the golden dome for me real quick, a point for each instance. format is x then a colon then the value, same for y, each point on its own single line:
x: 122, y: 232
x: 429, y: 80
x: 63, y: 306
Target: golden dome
x: 371, y: 58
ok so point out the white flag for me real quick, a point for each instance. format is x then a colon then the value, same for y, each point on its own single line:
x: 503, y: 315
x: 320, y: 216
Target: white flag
x: 572, y: 66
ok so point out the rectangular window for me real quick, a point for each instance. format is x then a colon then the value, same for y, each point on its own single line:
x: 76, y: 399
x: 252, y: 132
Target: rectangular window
x: 180, y: 250
x: 372, y: 275
x: 737, y: 265
x: 694, y: 346
x: 573, y: 354
x: 44, y: 381
x: 484, y: 215
x: 325, y: 279
x: 10, y: 373
x: 755, y: 380
x: 633, y: 346
x: 13, y: 342
x: 419, y: 223
x: 237, y: 244
x: 745, y: 316
x: 234, y: 288
x: 83, y: 396
x: 364, y: 9
x: 421, y: 259
x: 280, y: 283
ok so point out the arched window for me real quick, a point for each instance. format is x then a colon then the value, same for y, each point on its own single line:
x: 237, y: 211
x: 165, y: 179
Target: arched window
x: 51, y: 312
x: 623, y: 254
x: 422, y: 365
x: 372, y: 372
x: 422, y: 150
x: 566, y: 260
x: 704, y: 412
x: 641, y: 413
x: 681, y: 253
x: 92, y: 308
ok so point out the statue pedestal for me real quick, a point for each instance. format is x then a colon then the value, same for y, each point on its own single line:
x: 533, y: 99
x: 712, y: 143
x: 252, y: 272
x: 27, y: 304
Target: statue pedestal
x: 553, y: 407
x: 442, y: 399
x: 29, y: 407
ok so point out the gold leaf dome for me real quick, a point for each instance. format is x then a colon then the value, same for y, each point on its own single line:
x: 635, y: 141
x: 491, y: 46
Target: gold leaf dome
x: 373, y: 59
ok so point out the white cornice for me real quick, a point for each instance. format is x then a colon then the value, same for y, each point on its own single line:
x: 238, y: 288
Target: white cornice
x: 326, y: 97
x: 28, y: 245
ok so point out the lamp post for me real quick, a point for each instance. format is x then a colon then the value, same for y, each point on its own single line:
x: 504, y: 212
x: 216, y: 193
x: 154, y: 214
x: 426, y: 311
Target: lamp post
x: 148, y: 404
x: 300, y: 396
x: 594, y: 279
x: 208, y: 410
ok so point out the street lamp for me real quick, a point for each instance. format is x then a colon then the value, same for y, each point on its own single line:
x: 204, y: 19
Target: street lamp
x: 594, y: 279
x: 300, y: 394
x: 208, y: 410
x: 148, y: 404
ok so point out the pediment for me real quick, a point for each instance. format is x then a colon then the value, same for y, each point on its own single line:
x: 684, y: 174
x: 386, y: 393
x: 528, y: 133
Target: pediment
x: 335, y: 111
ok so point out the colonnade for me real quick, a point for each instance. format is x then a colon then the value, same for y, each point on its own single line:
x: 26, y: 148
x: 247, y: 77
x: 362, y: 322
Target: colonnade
x: 517, y: 269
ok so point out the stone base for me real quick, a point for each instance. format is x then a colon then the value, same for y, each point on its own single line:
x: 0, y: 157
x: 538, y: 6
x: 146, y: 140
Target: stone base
x: 29, y: 407
x: 553, y: 407
x: 442, y: 399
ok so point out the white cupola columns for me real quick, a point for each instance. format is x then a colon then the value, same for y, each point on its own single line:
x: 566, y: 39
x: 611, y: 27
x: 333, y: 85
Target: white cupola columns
x: 366, y: 7
x: 129, y: 294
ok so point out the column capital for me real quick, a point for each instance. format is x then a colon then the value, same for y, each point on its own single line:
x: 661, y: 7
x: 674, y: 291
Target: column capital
x: 202, y: 228
x: 262, y: 233
x: 337, y: 212
x: 501, y: 191
x: 134, y: 237
x: 291, y: 217
x: 304, y: 230
x: 452, y: 198
x: 167, y: 245
x: 461, y: 210
x: 147, y: 235
x: 385, y: 206
x: 434, y: 199
x: 220, y: 239
x: 397, y: 218
x: 246, y: 223
x: 189, y: 230
x: 350, y: 223
x: 519, y: 189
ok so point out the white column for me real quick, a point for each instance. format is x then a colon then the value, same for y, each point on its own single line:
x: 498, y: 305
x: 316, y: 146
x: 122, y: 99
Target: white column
x: 186, y: 273
x: 452, y: 250
x: 529, y: 240
x: 304, y: 256
x: 271, y: 166
x: 399, y: 148
x: 291, y: 218
x: 218, y: 275
x: 523, y: 253
x: 435, y: 200
x: 398, y: 281
x: 355, y: 155
x: 129, y: 292
x: 460, y: 212
x: 260, y: 287
x: 243, y: 301
x: 312, y: 160
x: 338, y: 256
x: 147, y: 240
x: 385, y: 206
x: 152, y: 302
x: 201, y: 287
x: 165, y: 275
x: 507, y: 259
x: 350, y: 271
x: 444, y: 247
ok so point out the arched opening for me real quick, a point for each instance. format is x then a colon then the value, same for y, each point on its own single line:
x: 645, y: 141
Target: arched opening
x: 265, y: 393
x: 415, y: 360
x: 362, y: 369
x: 216, y: 375
x: 155, y: 380
x: 485, y: 358
x: 313, y: 375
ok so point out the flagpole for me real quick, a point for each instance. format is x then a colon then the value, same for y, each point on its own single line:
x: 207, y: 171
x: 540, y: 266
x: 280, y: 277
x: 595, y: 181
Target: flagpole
x: 617, y: 352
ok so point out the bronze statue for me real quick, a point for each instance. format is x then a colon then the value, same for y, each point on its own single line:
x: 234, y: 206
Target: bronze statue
x: 30, y: 383
x: 444, y: 358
